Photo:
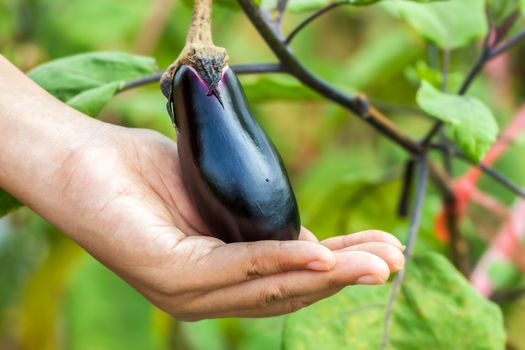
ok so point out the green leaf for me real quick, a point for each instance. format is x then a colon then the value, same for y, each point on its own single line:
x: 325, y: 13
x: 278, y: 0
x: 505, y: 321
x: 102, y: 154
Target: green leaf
x: 92, y: 101
x: 522, y: 4
x: 422, y: 71
x: 88, y: 81
x: 436, y: 309
x: 472, y: 123
x: 7, y: 203
x: 449, y: 25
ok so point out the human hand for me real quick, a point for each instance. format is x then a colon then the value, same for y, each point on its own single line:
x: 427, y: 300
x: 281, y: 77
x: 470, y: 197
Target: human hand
x: 123, y: 193
x: 118, y: 193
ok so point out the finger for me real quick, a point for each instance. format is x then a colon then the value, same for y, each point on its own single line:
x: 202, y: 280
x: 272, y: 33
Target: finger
x: 341, y: 242
x: 289, y: 305
x: 229, y: 264
x: 352, y: 267
x: 307, y: 235
x: 276, y: 309
x: 390, y: 254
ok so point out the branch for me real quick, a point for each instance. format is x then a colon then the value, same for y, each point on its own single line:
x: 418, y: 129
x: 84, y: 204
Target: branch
x: 357, y: 104
x: 256, y: 68
x: 500, y: 178
x: 516, y: 39
x: 475, y: 70
x: 406, y: 189
x: 415, y: 221
x: 141, y: 81
x: 309, y: 19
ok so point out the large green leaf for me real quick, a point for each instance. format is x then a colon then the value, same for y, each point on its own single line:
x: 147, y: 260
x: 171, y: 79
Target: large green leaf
x: 7, y: 203
x: 449, y: 25
x: 436, y: 309
x: 472, y: 123
x: 88, y: 81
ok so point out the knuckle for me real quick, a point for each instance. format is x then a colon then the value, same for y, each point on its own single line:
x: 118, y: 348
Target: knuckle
x: 333, y: 284
x: 273, y: 261
x: 282, y: 258
x: 272, y: 295
x: 296, y: 304
x: 255, y: 264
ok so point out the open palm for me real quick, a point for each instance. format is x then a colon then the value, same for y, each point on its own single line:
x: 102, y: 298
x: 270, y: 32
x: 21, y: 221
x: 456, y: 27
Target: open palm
x: 123, y: 200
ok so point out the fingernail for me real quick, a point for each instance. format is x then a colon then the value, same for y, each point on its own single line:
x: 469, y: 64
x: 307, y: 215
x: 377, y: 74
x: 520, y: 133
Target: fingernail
x: 403, y: 248
x: 369, y: 279
x: 318, y: 265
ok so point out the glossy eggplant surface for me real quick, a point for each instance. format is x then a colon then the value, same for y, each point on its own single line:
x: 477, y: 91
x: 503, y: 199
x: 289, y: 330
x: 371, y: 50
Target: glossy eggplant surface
x: 231, y: 170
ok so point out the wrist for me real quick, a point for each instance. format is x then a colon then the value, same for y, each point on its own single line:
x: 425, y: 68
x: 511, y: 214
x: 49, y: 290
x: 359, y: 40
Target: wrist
x: 37, y: 133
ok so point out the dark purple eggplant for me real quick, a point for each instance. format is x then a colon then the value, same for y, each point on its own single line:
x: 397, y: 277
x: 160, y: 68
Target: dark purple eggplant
x: 231, y: 170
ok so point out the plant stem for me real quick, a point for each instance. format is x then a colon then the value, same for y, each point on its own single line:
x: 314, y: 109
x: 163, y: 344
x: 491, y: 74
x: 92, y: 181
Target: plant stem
x: 474, y: 71
x: 502, y: 179
x: 256, y: 68
x: 141, y: 82
x: 415, y: 222
x: 493, y: 173
x: 516, y: 39
x: 309, y: 19
x: 200, y: 28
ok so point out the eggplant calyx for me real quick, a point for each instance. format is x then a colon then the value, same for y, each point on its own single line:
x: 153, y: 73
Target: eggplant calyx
x: 208, y: 61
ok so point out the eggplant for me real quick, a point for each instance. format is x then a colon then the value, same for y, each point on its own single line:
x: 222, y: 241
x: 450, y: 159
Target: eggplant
x: 231, y: 170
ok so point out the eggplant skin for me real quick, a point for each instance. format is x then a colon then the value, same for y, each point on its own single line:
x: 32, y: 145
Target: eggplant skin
x: 231, y: 170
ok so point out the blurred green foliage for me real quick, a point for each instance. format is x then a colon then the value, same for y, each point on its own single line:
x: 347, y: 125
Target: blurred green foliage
x: 346, y: 176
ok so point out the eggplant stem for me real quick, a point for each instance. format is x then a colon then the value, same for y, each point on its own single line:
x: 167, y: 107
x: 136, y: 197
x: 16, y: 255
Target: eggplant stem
x: 200, y: 27
x: 208, y: 60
